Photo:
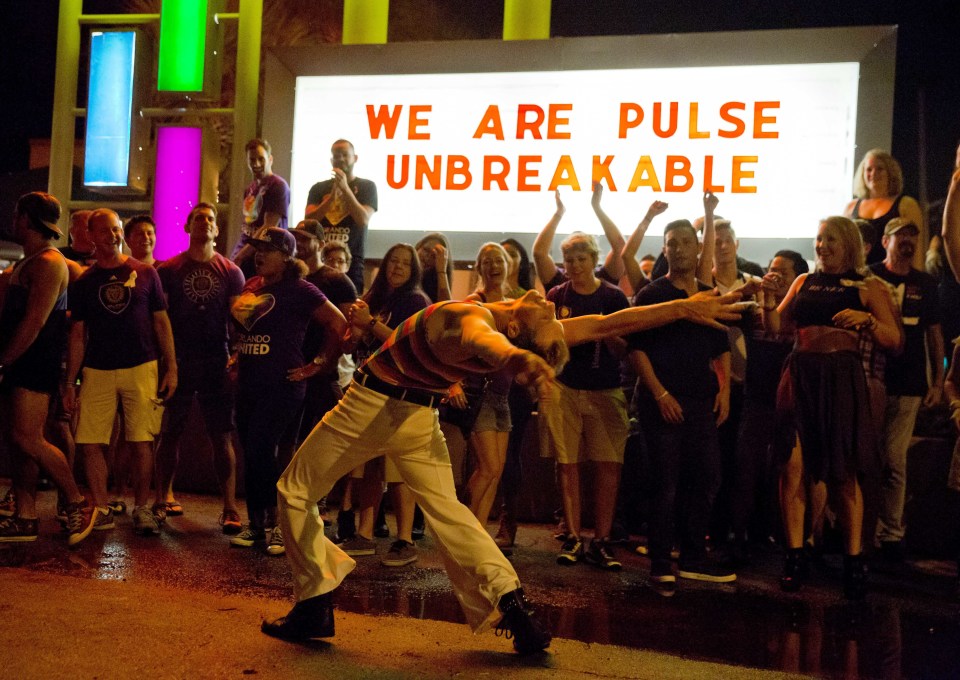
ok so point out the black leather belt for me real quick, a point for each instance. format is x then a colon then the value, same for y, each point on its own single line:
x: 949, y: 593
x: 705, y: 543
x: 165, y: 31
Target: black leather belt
x: 420, y: 397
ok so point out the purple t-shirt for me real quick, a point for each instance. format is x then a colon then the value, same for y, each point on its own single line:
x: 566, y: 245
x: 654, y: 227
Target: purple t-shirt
x: 117, y: 306
x: 272, y: 322
x: 271, y: 194
x: 198, y: 294
x: 592, y: 365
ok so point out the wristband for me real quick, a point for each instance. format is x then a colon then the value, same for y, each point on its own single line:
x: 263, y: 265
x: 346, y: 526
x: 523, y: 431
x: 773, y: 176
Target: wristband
x: 665, y: 393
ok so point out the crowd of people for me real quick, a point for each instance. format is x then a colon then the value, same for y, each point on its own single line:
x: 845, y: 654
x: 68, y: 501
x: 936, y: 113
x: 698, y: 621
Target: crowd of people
x: 754, y: 402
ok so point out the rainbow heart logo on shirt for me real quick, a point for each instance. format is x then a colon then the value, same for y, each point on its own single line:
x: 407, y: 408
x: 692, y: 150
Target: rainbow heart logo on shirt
x: 250, y: 308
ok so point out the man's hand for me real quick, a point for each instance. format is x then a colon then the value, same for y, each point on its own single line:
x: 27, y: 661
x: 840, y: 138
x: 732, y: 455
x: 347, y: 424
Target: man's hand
x: 670, y: 409
x: 360, y: 314
x: 533, y: 373
x: 340, y: 183
x: 69, y: 398
x: 656, y: 208
x: 710, y: 202
x: 933, y: 396
x: 721, y: 406
x: 710, y: 308
x: 168, y: 384
x: 773, y: 284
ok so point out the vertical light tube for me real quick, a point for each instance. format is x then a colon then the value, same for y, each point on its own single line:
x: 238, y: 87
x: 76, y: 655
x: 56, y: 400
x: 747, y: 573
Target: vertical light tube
x: 526, y: 19
x: 365, y: 22
x: 106, y: 161
x: 183, y: 35
x: 176, y: 186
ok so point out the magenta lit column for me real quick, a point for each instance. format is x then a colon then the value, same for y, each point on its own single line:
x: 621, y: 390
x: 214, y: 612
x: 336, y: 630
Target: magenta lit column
x: 176, y: 186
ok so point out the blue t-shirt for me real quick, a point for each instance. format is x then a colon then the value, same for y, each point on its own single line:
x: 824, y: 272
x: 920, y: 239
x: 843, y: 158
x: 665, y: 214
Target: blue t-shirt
x: 592, y: 365
x: 199, y: 294
x: 117, y: 306
x: 271, y: 322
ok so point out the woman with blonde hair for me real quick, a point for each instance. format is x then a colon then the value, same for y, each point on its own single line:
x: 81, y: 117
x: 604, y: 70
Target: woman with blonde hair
x: 879, y: 197
x: 825, y: 430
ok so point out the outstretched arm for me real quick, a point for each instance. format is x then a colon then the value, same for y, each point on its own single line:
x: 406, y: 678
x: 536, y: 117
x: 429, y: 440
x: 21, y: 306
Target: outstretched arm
x: 629, y: 253
x: 546, y: 269
x: 613, y: 263
x: 706, y: 262
x: 705, y: 308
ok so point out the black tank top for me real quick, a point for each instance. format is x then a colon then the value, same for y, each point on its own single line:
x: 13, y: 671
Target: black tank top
x: 823, y: 295
x: 52, y: 336
x: 877, y: 252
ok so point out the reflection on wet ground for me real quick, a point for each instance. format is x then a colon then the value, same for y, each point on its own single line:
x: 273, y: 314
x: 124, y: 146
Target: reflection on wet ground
x: 908, y: 627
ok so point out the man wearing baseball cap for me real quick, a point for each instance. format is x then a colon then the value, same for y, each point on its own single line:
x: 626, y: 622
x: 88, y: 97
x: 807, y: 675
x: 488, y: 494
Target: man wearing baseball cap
x: 915, y: 293
x: 33, y: 335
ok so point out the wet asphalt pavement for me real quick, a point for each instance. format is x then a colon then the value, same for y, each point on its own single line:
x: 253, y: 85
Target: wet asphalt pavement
x: 909, y: 627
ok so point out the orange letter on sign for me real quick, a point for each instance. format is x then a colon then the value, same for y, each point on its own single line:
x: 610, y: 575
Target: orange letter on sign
x: 565, y: 175
x: 759, y: 120
x: 554, y: 120
x: 524, y: 173
x: 644, y: 175
x: 694, y: 132
x: 404, y: 171
x: 523, y: 125
x: 678, y: 166
x: 708, y: 184
x: 458, y: 166
x: 499, y: 176
x: 490, y: 124
x: 658, y: 120
x: 384, y: 118
x: 417, y: 122
x: 601, y: 172
x: 738, y: 124
x: 740, y: 174
x: 423, y: 170
x: 631, y: 115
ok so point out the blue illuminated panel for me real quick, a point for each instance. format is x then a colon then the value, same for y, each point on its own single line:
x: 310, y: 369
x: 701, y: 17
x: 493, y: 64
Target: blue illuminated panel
x: 109, y: 108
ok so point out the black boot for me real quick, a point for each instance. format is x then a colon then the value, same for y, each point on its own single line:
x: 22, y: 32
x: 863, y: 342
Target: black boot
x: 520, y: 623
x: 794, y: 570
x: 854, y: 577
x: 346, y: 526
x: 311, y: 618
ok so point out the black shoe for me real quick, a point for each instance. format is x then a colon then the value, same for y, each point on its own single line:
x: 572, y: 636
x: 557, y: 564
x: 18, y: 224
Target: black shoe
x: 419, y: 524
x: 661, y: 571
x: 521, y: 624
x: 346, y: 526
x: 309, y: 619
x: 571, y: 552
x: 854, y: 577
x: 600, y: 554
x: 793, y: 570
x: 892, y: 551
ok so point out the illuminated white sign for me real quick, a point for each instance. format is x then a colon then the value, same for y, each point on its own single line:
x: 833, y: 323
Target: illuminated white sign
x: 482, y: 152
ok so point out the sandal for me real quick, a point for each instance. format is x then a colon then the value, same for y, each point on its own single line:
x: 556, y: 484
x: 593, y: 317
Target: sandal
x: 174, y: 509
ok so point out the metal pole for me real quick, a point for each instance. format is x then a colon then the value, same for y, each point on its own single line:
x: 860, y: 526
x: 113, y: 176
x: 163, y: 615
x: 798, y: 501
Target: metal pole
x: 245, y: 102
x: 60, y: 181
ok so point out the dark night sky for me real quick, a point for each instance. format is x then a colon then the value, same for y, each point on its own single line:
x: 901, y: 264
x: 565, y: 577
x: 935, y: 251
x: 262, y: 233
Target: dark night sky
x: 928, y: 55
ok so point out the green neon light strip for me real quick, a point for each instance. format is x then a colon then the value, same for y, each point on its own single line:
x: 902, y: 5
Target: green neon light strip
x: 183, y: 34
x: 365, y: 22
x: 526, y: 19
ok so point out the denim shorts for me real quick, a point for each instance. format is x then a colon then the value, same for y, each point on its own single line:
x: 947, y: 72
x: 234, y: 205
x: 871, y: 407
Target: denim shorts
x: 494, y: 415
